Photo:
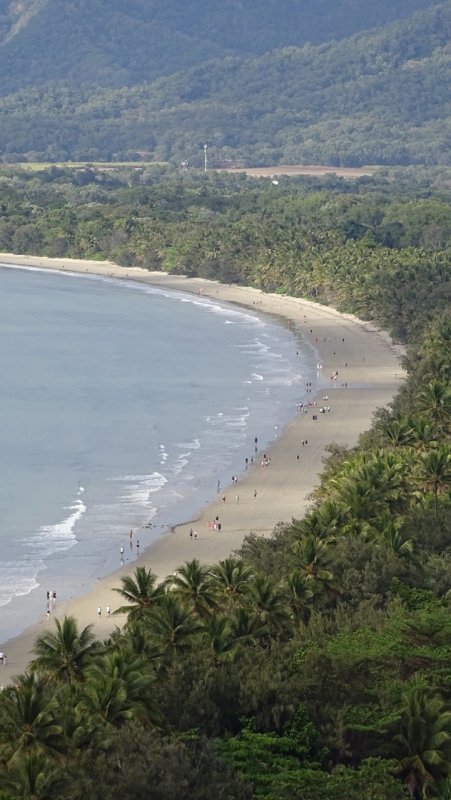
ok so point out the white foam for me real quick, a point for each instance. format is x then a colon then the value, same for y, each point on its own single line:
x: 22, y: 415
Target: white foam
x: 141, y: 487
x: 14, y: 583
x: 164, y: 455
x: 61, y: 536
x: 193, y: 445
x: 19, y: 577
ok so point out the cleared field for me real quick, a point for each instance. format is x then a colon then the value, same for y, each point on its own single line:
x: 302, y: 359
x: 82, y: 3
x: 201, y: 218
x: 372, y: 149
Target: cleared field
x: 303, y: 169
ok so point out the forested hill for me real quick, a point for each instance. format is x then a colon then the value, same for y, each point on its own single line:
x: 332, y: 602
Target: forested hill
x: 124, y: 42
x: 380, y: 97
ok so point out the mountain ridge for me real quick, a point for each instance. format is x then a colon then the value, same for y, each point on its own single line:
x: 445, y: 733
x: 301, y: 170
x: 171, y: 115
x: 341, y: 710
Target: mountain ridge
x: 376, y: 97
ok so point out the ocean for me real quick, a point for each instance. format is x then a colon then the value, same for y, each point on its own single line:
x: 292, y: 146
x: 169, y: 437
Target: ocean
x: 122, y: 405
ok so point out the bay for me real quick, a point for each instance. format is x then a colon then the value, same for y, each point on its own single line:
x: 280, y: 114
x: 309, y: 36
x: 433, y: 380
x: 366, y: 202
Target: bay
x: 122, y: 405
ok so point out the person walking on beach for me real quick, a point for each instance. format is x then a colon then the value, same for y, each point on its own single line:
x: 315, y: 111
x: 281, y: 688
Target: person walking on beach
x: 255, y: 492
x: 99, y: 611
x: 237, y: 498
x: 137, y: 545
x: 108, y: 611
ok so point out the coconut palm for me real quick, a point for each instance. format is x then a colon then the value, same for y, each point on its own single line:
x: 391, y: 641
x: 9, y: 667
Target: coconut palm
x: 116, y: 689
x: 247, y: 627
x: 267, y: 600
x: 399, y: 432
x: 29, y: 719
x: 191, y: 583
x: 435, y: 399
x: 298, y: 595
x: 321, y: 523
x: 65, y: 654
x: 34, y: 777
x: 141, y: 592
x: 388, y: 529
x: 229, y: 581
x: 313, y: 557
x: 172, y: 627
x: 435, y: 472
x: 402, y: 547
x: 424, y: 431
x: 423, y: 740
x: 217, y: 635
x: 368, y: 484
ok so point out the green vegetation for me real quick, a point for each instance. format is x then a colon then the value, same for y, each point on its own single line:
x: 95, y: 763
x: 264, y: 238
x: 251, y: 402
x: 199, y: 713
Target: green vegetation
x: 275, y: 82
x: 314, y: 665
x: 125, y: 42
x: 375, y: 247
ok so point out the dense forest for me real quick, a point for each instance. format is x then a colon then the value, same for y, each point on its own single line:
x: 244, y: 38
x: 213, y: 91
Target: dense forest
x: 313, y: 665
x: 126, y: 42
x: 371, y: 246
x: 285, y: 86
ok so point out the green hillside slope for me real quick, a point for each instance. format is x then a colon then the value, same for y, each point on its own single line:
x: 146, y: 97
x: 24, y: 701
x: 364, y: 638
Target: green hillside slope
x: 124, y: 42
x: 379, y: 97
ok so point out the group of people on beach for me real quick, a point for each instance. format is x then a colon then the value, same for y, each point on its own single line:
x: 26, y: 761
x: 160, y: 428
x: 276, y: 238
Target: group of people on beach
x: 51, y: 601
x: 130, y: 539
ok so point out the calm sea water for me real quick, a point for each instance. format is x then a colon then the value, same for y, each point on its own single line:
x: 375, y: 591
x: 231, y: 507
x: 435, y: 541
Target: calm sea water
x: 121, y: 404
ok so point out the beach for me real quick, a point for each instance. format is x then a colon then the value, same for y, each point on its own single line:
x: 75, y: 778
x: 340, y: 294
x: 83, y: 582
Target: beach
x: 360, y: 371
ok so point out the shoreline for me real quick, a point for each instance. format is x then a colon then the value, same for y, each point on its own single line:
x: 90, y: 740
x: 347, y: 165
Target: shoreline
x: 366, y: 361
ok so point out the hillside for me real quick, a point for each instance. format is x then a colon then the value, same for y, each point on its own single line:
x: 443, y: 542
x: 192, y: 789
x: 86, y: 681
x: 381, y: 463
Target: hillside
x: 379, y: 97
x: 124, y: 42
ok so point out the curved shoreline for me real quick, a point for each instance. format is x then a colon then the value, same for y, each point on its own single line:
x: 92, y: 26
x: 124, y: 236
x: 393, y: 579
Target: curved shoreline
x: 365, y: 360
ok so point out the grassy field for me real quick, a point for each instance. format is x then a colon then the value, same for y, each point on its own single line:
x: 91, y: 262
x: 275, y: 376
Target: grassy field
x: 257, y: 172
x: 38, y: 166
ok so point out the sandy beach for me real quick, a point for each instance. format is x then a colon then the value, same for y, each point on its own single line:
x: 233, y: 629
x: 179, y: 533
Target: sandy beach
x: 369, y: 374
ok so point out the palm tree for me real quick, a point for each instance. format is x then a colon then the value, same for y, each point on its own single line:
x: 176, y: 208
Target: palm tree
x: 435, y: 472
x: 424, y: 431
x: 192, y: 585
x: 141, y: 592
x: 247, y: 627
x: 268, y: 602
x: 398, y: 432
x: 402, y: 547
x: 65, y: 654
x: 423, y: 740
x: 117, y: 688
x: 435, y: 399
x: 217, y: 634
x: 172, y: 627
x: 229, y: 580
x: 313, y: 556
x: 34, y: 777
x: 298, y: 595
x: 368, y: 484
x: 388, y: 529
x: 29, y: 719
